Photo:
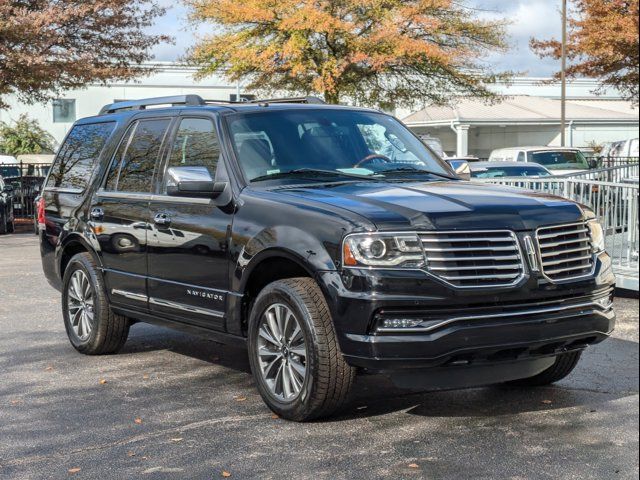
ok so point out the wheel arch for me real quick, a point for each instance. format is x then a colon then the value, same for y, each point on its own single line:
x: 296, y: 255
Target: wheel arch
x: 72, y: 245
x: 268, y: 266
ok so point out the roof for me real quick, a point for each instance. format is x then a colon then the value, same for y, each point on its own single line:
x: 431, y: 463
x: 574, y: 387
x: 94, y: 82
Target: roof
x: 526, y: 109
x: 221, y: 106
x: 505, y: 164
x: 544, y: 148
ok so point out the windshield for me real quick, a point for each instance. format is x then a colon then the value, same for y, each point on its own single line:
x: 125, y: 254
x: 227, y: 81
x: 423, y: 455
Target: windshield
x: 560, y: 160
x: 495, y: 172
x: 327, y: 142
x: 9, y: 171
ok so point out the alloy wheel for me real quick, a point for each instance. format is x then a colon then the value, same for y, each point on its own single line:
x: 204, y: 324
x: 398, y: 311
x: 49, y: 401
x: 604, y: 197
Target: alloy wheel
x: 80, y: 304
x: 282, y: 352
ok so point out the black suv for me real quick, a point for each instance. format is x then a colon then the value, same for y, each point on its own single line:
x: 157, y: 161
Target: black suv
x: 329, y: 240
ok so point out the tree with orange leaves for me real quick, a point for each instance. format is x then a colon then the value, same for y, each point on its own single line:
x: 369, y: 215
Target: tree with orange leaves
x: 374, y: 52
x: 602, y: 43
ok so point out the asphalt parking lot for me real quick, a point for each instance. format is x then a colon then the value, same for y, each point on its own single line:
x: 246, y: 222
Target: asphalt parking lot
x: 174, y: 406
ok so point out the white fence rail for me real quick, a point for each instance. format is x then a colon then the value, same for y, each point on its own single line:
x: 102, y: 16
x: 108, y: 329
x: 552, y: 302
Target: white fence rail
x: 615, y: 204
x: 617, y: 174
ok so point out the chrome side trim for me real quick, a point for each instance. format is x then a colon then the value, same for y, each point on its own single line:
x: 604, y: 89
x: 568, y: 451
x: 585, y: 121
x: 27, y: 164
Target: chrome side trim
x: 186, y: 200
x: 130, y: 295
x: 521, y: 313
x: 152, y: 197
x: 74, y: 191
x: 125, y: 195
x: 185, y: 308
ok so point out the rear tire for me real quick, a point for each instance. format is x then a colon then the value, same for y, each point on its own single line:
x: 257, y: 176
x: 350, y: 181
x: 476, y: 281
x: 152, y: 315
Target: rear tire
x: 562, y: 367
x: 92, y: 328
x: 327, y: 380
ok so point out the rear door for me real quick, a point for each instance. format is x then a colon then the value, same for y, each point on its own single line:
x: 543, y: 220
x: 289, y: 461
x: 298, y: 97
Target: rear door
x: 120, y: 210
x: 188, y: 256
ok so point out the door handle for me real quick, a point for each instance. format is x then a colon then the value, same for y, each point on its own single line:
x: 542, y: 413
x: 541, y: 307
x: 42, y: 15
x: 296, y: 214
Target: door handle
x: 97, y: 213
x: 162, y: 219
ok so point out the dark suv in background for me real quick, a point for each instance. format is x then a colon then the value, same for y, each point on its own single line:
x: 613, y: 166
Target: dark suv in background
x: 7, y: 216
x: 329, y: 240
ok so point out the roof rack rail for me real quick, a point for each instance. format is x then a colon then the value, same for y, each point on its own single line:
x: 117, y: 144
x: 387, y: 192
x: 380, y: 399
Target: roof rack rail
x: 189, y: 100
x: 310, y: 100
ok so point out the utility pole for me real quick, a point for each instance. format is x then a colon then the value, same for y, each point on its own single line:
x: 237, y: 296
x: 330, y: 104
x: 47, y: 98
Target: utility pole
x: 563, y: 76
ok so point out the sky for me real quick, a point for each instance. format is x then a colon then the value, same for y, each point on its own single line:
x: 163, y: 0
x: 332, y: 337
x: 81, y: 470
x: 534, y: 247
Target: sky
x: 528, y: 18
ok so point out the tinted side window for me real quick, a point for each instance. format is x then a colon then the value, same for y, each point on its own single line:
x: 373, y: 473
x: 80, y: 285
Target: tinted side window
x: 79, y: 154
x: 521, y: 157
x: 134, y: 162
x: 114, y: 169
x: 196, y: 145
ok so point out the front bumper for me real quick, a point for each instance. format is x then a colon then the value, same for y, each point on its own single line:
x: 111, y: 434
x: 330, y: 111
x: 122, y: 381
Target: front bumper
x: 457, y: 328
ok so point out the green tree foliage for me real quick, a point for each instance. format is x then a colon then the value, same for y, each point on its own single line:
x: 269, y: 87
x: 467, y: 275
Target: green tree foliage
x: 24, y: 136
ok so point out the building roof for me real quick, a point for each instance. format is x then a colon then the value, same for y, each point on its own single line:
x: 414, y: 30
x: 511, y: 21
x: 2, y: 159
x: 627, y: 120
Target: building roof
x: 525, y: 109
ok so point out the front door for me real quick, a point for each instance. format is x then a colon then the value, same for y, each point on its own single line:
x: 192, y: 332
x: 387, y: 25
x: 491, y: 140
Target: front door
x: 120, y: 212
x: 188, y: 259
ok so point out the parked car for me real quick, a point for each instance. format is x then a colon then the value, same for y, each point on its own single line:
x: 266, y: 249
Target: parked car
x: 281, y: 227
x: 560, y: 160
x: 507, y: 169
x: 6, y: 207
x: 622, y: 148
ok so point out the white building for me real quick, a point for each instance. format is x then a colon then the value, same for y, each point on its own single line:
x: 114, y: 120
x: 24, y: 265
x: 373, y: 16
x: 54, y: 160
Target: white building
x: 531, y: 116
x: 168, y: 79
x: 471, y: 127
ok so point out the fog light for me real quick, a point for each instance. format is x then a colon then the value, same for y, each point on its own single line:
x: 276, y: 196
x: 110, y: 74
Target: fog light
x: 401, y: 322
x: 605, y: 302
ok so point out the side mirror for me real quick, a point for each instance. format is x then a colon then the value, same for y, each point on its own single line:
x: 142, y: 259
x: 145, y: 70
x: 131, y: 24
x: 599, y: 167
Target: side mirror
x: 461, y: 167
x: 193, y: 182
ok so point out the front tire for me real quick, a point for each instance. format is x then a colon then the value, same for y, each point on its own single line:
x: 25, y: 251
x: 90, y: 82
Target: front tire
x: 92, y: 328
x: 294, y: 354
x: 561, y: 368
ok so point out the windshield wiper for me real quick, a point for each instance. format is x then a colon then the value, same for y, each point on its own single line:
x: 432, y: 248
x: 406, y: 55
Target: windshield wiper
x: 313, y: 173
x: 414, y: 170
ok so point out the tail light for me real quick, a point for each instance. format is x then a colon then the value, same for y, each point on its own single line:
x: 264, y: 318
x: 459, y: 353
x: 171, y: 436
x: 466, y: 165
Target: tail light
x: 41, y: 218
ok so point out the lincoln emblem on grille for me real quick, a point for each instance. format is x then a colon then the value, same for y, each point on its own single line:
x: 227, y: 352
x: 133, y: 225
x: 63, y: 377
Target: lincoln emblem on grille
x: 531, y: 254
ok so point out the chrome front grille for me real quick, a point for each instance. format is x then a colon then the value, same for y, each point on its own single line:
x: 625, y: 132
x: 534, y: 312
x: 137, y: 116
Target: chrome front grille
x: 474, y: 259
x: 565, y: 251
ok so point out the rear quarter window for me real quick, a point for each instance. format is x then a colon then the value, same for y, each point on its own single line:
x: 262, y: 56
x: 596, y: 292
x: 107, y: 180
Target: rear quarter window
x: 79, y: 155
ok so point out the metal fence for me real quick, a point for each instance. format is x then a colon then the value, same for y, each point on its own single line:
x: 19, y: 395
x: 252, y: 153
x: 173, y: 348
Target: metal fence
x: 623, y: 173
x: 614, y: 203
x: 605, y: 162
x: 26, y: 180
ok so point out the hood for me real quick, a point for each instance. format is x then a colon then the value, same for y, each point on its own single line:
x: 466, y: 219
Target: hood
x: 447, y: 205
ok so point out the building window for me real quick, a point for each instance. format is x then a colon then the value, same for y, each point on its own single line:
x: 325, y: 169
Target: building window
x: 64, y: 110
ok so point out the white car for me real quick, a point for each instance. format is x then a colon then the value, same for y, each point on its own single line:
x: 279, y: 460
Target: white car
x: 560, y: 160
x: 623, y: 148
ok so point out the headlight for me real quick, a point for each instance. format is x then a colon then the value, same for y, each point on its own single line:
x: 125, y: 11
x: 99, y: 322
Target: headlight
x: 597, y: 236
x: 383, y: 250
